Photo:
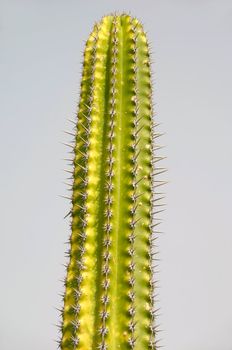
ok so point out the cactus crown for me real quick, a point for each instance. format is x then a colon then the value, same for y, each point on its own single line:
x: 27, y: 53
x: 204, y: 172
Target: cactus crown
x: 109, y: 299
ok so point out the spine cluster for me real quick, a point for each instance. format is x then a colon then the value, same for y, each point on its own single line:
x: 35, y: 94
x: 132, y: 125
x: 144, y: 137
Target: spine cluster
x: 109, y: 287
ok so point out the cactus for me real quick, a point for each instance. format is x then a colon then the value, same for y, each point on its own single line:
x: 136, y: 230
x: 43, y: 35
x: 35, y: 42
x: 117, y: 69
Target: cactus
x: 109, y: 287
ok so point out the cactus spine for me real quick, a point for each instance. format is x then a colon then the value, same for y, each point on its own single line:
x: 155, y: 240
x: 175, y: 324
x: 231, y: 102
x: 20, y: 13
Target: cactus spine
x: 109, y: 287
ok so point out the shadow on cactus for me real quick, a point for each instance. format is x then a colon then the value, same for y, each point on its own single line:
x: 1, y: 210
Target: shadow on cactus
x: 109, y: 287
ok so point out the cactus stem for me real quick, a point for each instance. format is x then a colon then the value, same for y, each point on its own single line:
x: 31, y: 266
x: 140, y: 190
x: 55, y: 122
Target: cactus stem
x: 109, y: 301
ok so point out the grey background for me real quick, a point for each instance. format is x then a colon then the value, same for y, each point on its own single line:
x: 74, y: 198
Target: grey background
x: 40, y: 44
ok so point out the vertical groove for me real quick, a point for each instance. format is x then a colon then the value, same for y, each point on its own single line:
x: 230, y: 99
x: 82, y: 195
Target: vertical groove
x: 120, y: 284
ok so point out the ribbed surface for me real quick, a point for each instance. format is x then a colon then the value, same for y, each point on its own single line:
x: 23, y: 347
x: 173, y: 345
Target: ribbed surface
x: 108, y: 301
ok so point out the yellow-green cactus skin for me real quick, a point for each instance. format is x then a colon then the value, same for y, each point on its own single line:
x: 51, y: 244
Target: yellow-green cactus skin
x: 109, y: 287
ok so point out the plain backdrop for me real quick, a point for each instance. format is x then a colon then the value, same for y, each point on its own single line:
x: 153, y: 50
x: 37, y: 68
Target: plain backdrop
x: 41, y: 44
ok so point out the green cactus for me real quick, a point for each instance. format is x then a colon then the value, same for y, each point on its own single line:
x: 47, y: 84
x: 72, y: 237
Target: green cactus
x: 109, y: 287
